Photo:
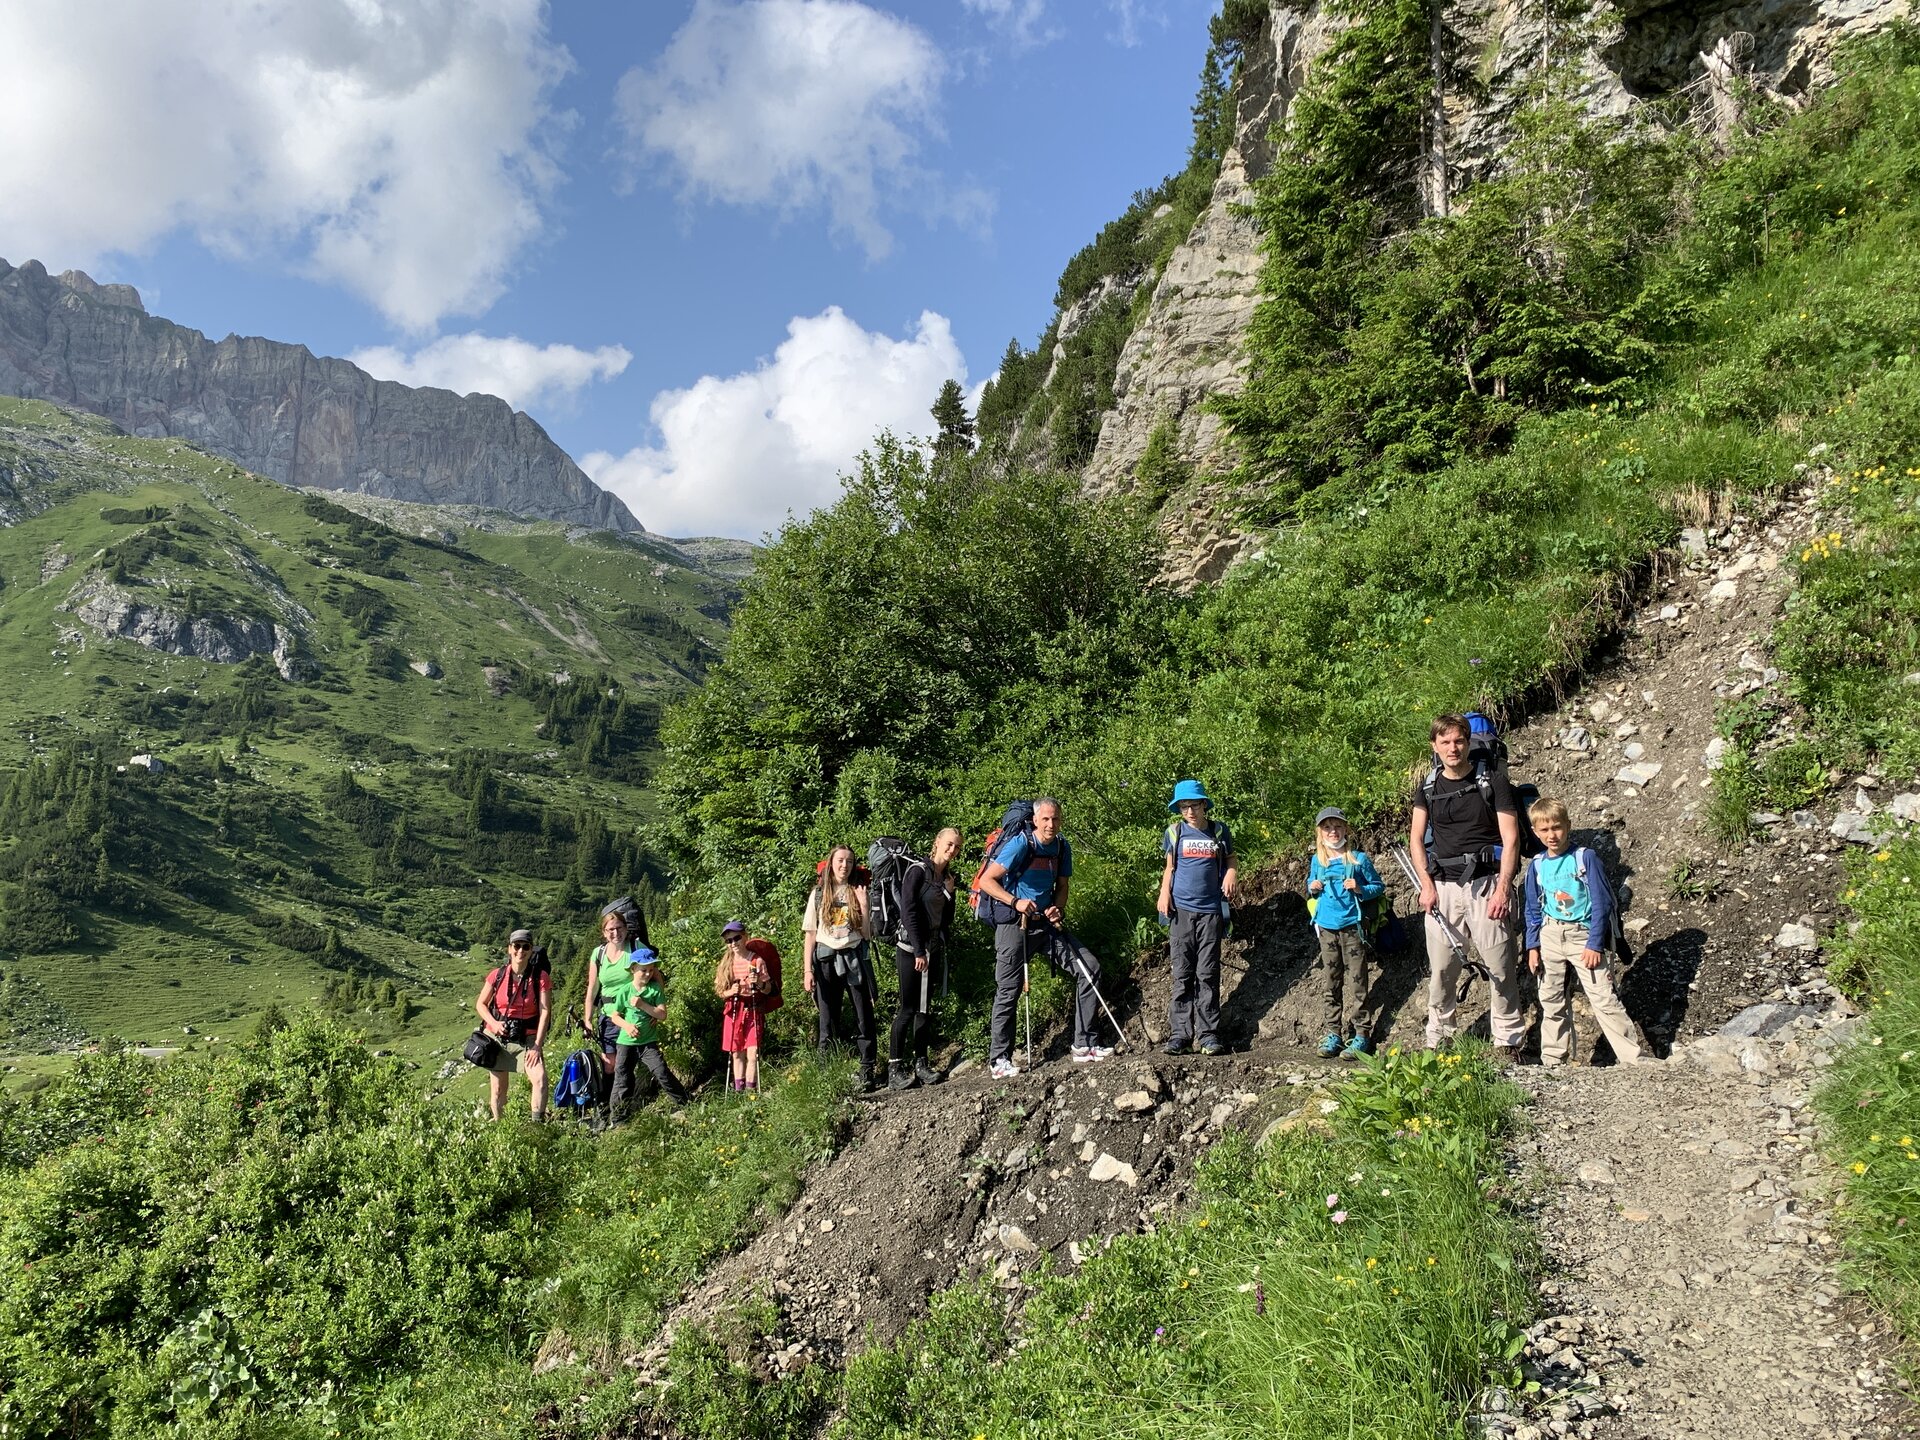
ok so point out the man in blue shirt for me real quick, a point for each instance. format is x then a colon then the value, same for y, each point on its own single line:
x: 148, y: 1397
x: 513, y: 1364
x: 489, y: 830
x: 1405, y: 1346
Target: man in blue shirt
x: 1196, y: 889
x: 1030, y: 874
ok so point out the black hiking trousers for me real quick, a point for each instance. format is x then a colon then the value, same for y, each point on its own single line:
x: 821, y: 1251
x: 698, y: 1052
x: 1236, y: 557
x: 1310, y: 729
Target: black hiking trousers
x: 828, y: 991
x: 912, y: 1026
x: 626, y: 1063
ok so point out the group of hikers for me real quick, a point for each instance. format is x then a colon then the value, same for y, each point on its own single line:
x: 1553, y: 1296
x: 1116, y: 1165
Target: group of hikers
x: 1469, y: 844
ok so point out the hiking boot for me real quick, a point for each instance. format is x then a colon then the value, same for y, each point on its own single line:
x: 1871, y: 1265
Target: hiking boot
x: 1506, y: 1055
x: 925, y: 1073
x: 899, y: 1076
x: 1212, y: 1047
x: 1357, y: 1047
x: 1175, y: 1047
x: 1003, y: 1070
x: 1330, y: 1046
x: 867, y: 1083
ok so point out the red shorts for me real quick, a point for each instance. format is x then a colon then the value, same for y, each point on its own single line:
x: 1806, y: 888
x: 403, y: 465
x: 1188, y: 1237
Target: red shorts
x: 742, y: 1025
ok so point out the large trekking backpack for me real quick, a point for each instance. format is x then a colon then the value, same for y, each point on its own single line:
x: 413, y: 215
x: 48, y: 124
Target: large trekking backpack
x: 1488, y: 754
x: 888, y: 861
x: 1018, y: 820
x: 632, y: 914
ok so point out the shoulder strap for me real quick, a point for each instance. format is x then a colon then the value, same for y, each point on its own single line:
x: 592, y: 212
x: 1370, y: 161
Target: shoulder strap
x: 1483, y: 777
x: 494, y: 981
x: 1433, y: 779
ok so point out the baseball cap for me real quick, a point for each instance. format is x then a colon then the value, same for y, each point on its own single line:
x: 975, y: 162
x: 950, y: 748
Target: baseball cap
x: 734, y: 927
x: 520, y: 937
x: 1332, y: 812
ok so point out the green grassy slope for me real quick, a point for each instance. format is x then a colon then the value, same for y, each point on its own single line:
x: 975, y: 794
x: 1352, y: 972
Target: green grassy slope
x: 506, y: 782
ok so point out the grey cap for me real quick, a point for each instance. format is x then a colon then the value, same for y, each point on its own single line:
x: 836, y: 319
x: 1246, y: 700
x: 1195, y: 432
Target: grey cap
x: 520, y: 936
x: 1332, y: 812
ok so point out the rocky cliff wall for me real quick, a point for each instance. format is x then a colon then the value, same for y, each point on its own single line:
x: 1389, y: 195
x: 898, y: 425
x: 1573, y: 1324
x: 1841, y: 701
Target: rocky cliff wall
x: 1190, y: 343
x: 279, y: 409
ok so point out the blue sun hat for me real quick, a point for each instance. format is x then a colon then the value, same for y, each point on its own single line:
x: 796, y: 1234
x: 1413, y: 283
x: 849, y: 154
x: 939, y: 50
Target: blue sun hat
x: 1188, y: 790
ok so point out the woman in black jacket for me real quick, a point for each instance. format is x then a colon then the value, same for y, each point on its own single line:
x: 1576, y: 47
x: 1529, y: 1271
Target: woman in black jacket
x: 926, y: 919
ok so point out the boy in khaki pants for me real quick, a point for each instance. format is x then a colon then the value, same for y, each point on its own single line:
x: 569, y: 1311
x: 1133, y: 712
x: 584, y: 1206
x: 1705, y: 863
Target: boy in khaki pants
x: 1570, y: 910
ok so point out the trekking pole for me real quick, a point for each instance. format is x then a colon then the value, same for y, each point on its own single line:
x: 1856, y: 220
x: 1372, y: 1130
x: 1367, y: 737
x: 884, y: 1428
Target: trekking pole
x: 1469, y: 966
x: 1086, y: 977
x: 1026, y: 985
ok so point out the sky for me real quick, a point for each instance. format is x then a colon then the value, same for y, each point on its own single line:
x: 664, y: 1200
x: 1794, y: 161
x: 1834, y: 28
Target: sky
x: 712, y: 245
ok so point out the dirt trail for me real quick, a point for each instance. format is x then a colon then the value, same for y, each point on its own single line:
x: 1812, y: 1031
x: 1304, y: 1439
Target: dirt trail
x: 1694, y: 1282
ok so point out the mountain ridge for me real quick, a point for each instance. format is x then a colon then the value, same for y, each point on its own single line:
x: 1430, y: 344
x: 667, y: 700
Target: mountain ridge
x: 281, y: 411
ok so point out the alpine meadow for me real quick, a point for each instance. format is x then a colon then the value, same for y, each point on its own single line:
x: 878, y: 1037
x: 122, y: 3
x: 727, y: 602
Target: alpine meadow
x: 1479, y: 359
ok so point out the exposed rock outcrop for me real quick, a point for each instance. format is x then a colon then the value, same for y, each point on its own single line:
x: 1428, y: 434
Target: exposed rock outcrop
x: 118, y: 612
x: 1190, y: 343
x: 279, y: 409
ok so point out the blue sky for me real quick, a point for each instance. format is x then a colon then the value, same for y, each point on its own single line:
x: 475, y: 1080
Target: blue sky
x: 732, y: 237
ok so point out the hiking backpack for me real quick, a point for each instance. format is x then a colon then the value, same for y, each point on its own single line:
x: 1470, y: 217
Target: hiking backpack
x: 888, y: 860
x: 1018, y: 820
x: 577, y: 1089
x: 1488, y: 753
x: 635, y: 918
x: 771, y: 998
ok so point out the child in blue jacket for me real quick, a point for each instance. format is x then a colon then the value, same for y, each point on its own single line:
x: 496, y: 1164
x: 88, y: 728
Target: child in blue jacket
x: 1340, y: 883
x: 1570, y: 916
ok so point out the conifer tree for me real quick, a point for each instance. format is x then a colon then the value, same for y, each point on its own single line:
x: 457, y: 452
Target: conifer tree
x: 956, y: 426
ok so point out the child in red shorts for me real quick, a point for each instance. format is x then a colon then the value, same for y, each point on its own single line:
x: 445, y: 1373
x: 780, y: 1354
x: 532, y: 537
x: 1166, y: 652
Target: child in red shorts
x: 743, y: 984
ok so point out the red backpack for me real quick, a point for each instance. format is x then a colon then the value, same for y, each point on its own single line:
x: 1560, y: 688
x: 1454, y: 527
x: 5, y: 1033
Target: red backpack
x: 769, y: 953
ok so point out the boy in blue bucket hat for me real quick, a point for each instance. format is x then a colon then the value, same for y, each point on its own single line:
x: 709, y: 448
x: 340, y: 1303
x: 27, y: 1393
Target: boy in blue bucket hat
x: 1196, y: 894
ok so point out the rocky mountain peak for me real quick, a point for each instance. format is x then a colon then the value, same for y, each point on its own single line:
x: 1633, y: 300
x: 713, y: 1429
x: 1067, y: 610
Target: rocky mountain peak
x: 279, y: 409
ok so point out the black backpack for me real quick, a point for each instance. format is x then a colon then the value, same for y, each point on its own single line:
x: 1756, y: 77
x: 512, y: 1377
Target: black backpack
x: 632, y: 914
x: 888, y: 861
x: 1488, y: 754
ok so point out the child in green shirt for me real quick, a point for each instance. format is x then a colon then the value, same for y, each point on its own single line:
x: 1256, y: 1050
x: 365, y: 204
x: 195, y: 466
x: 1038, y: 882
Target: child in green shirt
x: 638, y: 1007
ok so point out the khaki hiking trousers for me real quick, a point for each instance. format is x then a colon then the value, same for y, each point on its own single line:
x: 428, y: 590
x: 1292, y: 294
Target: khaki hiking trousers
x: 1561, y: 942
x: 1492, y: 942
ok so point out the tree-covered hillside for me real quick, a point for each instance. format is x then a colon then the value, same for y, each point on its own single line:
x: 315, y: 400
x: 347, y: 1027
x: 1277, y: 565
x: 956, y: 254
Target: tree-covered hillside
x: 1466, y: 437
x: 373, y: 748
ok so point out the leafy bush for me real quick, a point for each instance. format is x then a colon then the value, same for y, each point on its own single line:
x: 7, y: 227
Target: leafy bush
x: 291, y: 1235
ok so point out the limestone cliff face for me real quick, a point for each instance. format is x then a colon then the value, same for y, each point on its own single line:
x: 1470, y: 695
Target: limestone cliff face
x: 279, y: 409
x: 1190, y: 343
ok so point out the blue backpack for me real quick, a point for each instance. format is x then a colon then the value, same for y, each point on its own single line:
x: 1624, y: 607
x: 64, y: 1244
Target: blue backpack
x: 1017, y: 821
x: 576, y: 1091
x: 1487, y: 752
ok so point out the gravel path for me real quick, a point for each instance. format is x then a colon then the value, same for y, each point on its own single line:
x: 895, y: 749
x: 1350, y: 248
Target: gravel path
x: 1685, y: 1221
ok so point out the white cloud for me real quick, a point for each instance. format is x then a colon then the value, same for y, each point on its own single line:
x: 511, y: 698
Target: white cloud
x: 737, y: 453
x: 399, y: 148
x: 1022, y: 21
x: 521, y: 373
x: 795, y: 104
